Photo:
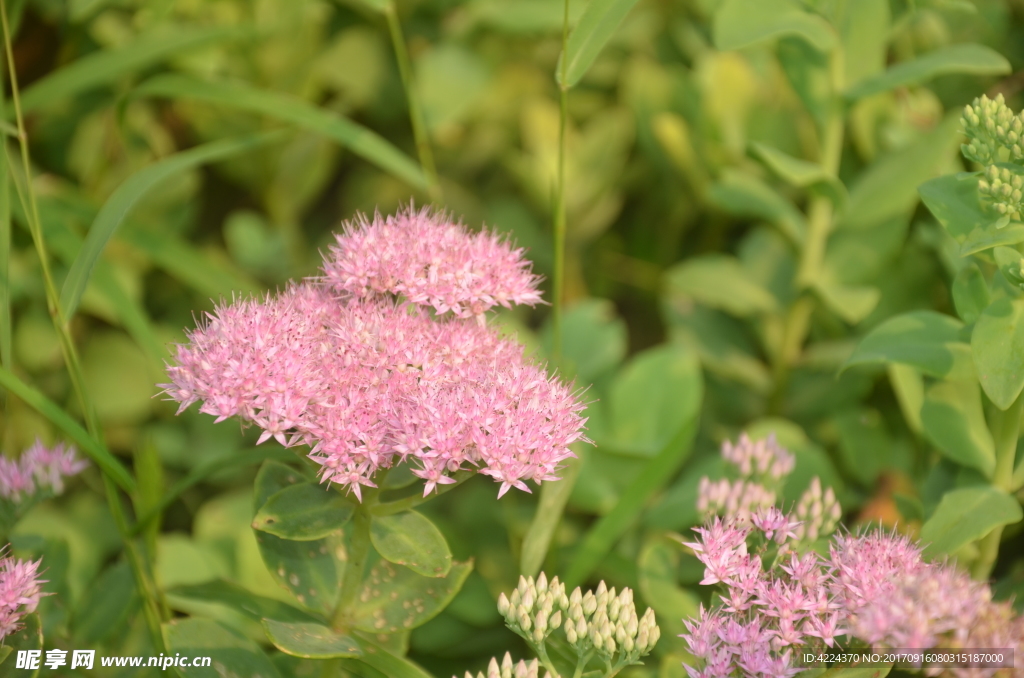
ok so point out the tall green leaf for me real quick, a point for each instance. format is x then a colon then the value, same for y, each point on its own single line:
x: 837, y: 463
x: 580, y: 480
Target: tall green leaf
x: 588, y: 38
x: 114, y: 211
x: 107, y: 66
x: 92, y: 448
x: 969, y: 59
x: 743, y: 23
x: 360, y: 140
x: 967, y: 515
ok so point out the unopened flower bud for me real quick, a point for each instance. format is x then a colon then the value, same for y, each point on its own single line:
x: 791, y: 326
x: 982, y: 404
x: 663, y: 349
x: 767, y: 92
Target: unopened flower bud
x: 503, y: 605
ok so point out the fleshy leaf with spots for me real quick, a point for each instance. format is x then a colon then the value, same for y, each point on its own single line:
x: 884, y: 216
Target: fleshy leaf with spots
x: 395, y: 598
x: 303, y: 512
x: 231, y: 653
x: 308, y: 569
x: 409, y: 538
x: 310, y: 640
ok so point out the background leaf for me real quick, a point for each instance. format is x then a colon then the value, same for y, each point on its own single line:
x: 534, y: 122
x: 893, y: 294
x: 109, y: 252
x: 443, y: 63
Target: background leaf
x: 599, y: 20
x: 964, y: 58
x: 966, y: 515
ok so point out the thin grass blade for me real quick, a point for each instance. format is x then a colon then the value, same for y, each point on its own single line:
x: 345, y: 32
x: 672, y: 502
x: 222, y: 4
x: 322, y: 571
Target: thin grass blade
x: 363, y: 142
x: 114, y: 211
x: 95, y: 450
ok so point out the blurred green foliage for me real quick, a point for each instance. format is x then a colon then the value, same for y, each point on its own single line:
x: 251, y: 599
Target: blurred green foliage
x: 205, y: 148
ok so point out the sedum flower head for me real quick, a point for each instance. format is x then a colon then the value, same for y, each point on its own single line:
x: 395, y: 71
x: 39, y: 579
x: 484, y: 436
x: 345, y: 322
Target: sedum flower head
x: 368, y: 381
x: 432, y: 261
x: 39, y: 468
x: 990, y: 127
x: 1002, y: 189
x: 19, y: 592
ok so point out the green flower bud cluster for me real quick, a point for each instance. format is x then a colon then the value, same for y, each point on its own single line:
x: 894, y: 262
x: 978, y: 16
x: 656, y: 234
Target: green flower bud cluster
x: 818, y: 512
x: 507, y: 669
x: 990, y: 126
x: 1003, y: 189
x: 608, y: 623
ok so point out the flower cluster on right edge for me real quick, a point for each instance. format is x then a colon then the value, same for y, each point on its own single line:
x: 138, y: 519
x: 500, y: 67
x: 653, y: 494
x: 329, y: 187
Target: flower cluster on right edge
x: 781, y: 597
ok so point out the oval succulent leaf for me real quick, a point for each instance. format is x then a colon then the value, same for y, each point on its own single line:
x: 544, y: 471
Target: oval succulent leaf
x: 410, y: 539
x: 309, y: 640
x: 303, y: 512
x: 396, y: 599
x: 997, y: 344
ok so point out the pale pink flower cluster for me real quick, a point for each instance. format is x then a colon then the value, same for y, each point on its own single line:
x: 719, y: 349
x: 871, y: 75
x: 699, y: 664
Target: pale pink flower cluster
x: 875, y: 588
x: 38, y: 468
x: 19, y: 592
x: 432, y: 261
x: 367, y: 379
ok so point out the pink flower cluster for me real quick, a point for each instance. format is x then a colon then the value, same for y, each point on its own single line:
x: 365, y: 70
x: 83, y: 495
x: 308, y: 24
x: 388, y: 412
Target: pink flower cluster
x: 368, y: 379
x: 19, y: 592
x: 38, y: 468
x: 432, y: 261
x: 875, y: 588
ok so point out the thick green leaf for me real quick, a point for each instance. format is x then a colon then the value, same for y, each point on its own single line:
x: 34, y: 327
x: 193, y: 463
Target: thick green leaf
x: 970, y: 293
x: 807, y: 71
x: 360, y: 140
x: 719, y: 281
x: 657, y: 392
x: 852, y: 303
x: 798, y: 172
x: 925, y: 340
x: 554, y: 495
x: 252, y: 605
x: 746, y: 196
x: 966, y: 515
x: 591, y: 33
x: 107, y: 66
x: 303, y: 512
x: 1009, y: 259
x: 594, y: 340
x: 231, y: 655
x: 381, y: 659
x: 410, y: 539
x: 969, y: 59
x: 121, y: 201
x: 656, y: 571
x: 93, y: 449
x: 997, y: 345
x: 864, y: 31
x: 306, y: 568
x: 953, y: 199
x: 29, y: 637
x: 310, y: 640
x: 742, y: 23
x: 908, y: 385
x: 889, y: 186
x: 105, y: 606
x: 395, y: 599
x: 954, y: 422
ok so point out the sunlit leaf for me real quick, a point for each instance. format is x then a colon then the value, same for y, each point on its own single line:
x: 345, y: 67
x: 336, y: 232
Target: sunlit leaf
x: 966, y: 515
x: 967, y: 59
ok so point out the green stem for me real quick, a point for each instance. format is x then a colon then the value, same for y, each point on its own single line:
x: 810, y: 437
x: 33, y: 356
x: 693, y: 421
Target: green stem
x: 560, y: 217
x: 820, y: 213
x: 358, y: 551
x: 581, y: 663
x: 1006, y: 428
x: 419, y: 127
x: 542, y: 655
x: 143, y: 581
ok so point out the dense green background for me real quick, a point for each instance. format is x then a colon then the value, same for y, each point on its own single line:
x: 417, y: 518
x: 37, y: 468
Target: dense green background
x: 679, y: 266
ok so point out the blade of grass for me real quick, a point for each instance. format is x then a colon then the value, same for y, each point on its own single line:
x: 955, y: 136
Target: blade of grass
x: 553, y: 498
x: 603, y: 535
x: 107, y: 66
x: 6, y: 340
x: 204, y: 471
x: 134, y: 188
x: 360, y: 140
x: 89, y: 445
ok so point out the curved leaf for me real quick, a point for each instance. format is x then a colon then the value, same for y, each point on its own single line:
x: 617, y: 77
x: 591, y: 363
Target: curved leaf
x: 595, y: 27
x: 925, y: 340
x: 410, y: 539
x: 108, y: 65
x: 117, y: 206
x: 719, y: 281
x: 968, y: 58
x: 743, y: 23
x: 362, y: 141
x: 955, y: 423
x: 309, y: 640
x: 966, y: 515
x: 396, y: 599
x: 253, y: 606
x: 230, y: 654
x: 303, y: 512
x: 997, y: 345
